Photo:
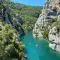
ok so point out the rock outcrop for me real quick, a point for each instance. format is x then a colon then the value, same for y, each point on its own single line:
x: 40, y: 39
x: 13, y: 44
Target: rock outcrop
x: 48, y: 24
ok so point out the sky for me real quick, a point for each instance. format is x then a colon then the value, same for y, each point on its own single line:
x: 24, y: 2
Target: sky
x: 31, y: 2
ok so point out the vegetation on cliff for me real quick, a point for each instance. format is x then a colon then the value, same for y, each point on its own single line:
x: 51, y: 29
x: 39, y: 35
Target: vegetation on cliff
x: 28, y: 14
x: 15, y: 18
x: 10, y: 46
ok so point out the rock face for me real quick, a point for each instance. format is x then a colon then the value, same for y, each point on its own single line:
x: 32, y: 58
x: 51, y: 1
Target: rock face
x: 15, y: 21
x: 48, y: 24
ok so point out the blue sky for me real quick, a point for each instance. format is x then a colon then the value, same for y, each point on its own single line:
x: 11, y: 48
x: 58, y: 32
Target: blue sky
x: 31, y: 2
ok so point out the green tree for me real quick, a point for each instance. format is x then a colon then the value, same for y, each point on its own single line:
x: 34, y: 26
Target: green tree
x: 10, y: 46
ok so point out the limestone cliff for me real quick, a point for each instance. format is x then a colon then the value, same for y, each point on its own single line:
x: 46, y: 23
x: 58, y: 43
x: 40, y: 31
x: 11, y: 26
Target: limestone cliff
x: 48, y: 24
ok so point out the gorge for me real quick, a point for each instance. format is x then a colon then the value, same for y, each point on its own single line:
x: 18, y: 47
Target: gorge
x: 17, y: 39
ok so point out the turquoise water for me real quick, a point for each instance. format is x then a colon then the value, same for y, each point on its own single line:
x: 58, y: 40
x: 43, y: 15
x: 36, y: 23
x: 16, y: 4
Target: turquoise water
x: 38, y: 49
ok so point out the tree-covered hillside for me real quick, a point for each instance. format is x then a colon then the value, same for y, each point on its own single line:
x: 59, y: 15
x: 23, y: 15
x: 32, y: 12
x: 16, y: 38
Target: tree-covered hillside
x: 28, y: 14
x: 14, y: 20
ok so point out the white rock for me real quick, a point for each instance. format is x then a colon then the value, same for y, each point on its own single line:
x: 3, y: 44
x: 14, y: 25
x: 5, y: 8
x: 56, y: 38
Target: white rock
x: 52, y: 46
x: 58, y: 48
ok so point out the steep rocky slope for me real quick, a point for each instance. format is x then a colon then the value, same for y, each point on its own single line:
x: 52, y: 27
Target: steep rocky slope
x: 7, y: 16
x: 48, y: 24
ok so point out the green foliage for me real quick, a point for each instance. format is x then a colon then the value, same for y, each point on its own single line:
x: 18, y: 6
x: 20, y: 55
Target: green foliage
x: 28, y: 14
x: 45, y: 32
x: 10, y: 47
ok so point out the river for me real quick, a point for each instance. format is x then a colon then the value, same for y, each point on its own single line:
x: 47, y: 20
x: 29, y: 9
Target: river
x: 38, y: 49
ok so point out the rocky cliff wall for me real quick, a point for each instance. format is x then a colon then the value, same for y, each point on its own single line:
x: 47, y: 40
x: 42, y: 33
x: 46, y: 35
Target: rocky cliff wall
x: 48, y: 24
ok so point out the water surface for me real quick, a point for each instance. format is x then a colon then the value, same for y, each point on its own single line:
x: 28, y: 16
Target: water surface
x: 38, y: 49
